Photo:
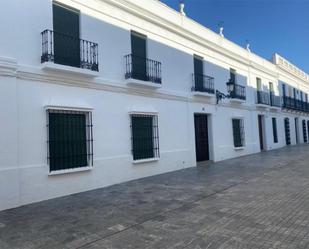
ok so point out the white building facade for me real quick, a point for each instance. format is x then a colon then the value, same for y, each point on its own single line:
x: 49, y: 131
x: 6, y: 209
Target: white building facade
x: 114, y: 90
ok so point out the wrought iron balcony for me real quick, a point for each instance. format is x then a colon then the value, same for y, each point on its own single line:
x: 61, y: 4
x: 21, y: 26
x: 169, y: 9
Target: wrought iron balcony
x: 263, y: 98
x: 238, y: 92
x: 295, y: 104
x: 67, y: 50
x: 203, y: 83
x: 144, y: 69
x: 275, y: 100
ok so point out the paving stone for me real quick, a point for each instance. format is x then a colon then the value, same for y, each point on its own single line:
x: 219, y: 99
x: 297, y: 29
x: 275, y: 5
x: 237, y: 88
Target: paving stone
x: 255, y: 202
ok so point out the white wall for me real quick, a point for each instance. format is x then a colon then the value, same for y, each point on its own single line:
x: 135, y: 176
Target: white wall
x: 26, y: 89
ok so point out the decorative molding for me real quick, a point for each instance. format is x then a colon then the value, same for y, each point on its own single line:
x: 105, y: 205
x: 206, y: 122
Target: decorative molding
x: 8, y: 67
x: 290, y: 68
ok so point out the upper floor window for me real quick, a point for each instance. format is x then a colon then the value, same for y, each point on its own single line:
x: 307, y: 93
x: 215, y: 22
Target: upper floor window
x: 63, y: 45
x: 138, y: 66
x: 70, y: 142
x: 233, y: 75
x: 271, y: 87
x: 258, y: 84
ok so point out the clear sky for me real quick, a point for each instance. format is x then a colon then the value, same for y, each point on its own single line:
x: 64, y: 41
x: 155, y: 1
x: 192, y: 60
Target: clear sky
x: 280, y: 26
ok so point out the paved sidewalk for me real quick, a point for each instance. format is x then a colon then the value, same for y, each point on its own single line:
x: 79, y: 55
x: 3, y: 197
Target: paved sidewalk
x: 256, y: 202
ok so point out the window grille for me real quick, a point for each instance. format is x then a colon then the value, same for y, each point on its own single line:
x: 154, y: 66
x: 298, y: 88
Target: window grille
x: 275, y: 132
x: 69, y: 139
x: 238, y: 133
x: 145, y: 136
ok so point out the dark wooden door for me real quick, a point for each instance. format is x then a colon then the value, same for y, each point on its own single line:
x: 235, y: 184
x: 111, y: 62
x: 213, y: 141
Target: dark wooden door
x: 66, y: 35
x: 201, y: 137
x: 139, y: 61
x: 261, y: 131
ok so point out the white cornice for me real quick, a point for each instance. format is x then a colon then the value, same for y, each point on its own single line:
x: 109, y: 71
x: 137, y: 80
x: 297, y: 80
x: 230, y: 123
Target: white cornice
x: 8, y: 66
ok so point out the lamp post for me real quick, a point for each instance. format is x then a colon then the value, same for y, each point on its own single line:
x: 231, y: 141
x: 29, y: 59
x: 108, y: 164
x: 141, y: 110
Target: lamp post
x: 230, y: 88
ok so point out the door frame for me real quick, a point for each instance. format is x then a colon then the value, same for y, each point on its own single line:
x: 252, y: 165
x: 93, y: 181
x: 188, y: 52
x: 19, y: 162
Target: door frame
x: 210, y: 136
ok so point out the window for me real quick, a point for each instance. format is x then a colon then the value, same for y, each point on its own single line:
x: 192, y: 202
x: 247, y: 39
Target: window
x: 139, y: 54
x: 70, y: 142
x: 271, y: 87
x: 145, y: 136
x: 233, y: 75
x: 275, y: 134
x: 66, y: 35
x: 258, y: 84
x: 238, y: 133
x: 198, y: 73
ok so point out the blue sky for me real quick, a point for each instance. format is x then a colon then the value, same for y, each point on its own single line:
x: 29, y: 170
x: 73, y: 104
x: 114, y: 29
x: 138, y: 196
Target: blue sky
x: 280, y: 26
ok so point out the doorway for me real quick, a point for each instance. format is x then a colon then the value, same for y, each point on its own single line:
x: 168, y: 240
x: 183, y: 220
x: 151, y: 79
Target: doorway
x: 261, y: 131
x: 201, y: 137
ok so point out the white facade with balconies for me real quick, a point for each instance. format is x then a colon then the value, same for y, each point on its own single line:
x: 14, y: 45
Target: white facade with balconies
x: 128, y: 89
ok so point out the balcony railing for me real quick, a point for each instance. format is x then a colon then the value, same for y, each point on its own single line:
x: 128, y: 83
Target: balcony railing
x: 143, y: 69
x: 263, y: 98
x: 239, y: 92
x: 295, y: 104
x: 275, y: 100
x: 203, y: 83
x: 68, y: 50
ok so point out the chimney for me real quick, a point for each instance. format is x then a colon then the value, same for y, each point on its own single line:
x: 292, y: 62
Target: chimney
x: 182, y: 8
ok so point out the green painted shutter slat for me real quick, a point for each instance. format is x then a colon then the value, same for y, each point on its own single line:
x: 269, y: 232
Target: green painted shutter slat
x: 138, y: 49
x: 66, y: 36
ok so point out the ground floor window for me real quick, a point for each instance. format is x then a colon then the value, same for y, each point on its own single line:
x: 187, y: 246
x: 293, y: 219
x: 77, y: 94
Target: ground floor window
x: 275, y: 133
x: 305, y: 131
x: 70, y: 142
x: 238, y: 132
x: 145, y: 136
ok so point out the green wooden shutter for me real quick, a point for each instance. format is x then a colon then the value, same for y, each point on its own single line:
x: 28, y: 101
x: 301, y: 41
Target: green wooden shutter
x: 67, y: 141
x: 198, y: 73
x: 66, y: 35
x: 258, y: 84
x: 142, y: 136
x: 138, y: 49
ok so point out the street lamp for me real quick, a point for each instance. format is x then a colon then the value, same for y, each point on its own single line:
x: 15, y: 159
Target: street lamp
x: 230, y: 89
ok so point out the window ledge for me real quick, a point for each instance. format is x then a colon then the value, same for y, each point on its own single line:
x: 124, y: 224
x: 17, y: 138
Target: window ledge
x: 68, y: 171
x: 262, y: 105
x: 204, y: 94
x: 239, y: 148
x: 53, y: 67
x: 146, y: 160
x: 239, y: 101
x: 148, y: 84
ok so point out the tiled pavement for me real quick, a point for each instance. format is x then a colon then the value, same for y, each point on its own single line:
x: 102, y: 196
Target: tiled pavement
x: 256, y: 202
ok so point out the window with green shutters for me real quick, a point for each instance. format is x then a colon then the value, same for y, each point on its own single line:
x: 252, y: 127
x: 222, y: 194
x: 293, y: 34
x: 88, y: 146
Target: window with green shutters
x: 238, y: 132
x: 233, y: 75
x: 271, y: 87
x: 145, y: 136
x: 275, y: 132
x: 70, y: 142
x: 258, y: 84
